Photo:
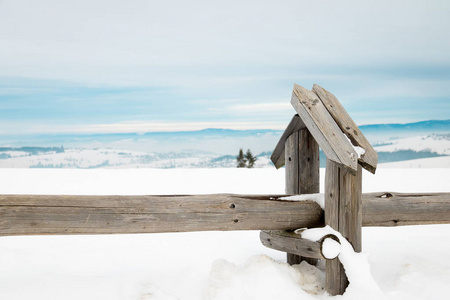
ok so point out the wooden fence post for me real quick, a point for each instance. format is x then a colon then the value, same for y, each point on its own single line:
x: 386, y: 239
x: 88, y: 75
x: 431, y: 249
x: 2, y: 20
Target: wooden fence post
x: 302, y: 172
x: 343, y: 213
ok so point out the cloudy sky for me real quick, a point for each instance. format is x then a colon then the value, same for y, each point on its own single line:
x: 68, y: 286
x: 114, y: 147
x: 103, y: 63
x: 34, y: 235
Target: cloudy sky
x: 135, y: 66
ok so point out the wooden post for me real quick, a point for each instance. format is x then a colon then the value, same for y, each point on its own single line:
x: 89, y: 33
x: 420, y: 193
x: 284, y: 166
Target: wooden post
x: 343, y: 213
x: 302, y: 172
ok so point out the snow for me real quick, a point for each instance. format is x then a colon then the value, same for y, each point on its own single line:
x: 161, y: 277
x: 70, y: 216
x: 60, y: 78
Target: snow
x: 404, y: 262
x: 359, y: 150
x: 80, y: 158
x: 331, y: 248
x: 438, y: 143
x: 318, y: 198
x: 120, y: 158
x: 432, y: 162
x: 356, y: 265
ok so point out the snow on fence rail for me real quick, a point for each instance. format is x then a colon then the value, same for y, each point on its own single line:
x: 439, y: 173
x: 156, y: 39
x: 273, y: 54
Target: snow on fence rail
x: 321, y: 121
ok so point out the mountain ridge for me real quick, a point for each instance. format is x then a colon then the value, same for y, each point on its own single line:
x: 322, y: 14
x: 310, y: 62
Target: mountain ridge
x: 217, y: 140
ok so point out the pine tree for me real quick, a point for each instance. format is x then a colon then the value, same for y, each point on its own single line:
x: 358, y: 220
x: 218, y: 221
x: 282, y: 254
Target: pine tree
x: 250, y: 159
x: 241, y: 161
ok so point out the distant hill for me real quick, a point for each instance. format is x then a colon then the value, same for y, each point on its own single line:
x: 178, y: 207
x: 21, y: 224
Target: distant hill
x: 220, y: 144
x: 412, y: 148
x: 381, y: 132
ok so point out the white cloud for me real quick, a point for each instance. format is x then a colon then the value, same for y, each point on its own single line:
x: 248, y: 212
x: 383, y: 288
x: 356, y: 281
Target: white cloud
x: 101, y: 40
x: 234, y: 49
x: 262, y: 107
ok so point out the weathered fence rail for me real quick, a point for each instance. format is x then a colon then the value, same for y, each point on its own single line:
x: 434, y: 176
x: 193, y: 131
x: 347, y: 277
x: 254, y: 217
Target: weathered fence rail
x: 42, y: 214
x: 56, y: 214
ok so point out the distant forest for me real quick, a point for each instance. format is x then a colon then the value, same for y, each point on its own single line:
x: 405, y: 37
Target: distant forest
x: 29, y: 150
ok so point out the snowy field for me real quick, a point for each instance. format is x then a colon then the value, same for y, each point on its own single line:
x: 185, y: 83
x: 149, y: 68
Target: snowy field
x: 406, y: 262
x: 119, y: 158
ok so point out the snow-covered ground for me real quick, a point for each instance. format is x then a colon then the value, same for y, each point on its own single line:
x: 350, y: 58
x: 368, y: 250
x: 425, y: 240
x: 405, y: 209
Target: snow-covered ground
x: 406, y: 262
x: 432, y: 162
x: 430, y: 145
x: 438, y: 143
x: 121, y: 159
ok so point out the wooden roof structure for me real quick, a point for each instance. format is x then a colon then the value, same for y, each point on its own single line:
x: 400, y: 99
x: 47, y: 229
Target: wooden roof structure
x: 331, y: 126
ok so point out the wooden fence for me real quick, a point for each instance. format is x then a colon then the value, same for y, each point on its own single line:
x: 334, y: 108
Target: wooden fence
x: 321, y: 122
x: 62, y: 214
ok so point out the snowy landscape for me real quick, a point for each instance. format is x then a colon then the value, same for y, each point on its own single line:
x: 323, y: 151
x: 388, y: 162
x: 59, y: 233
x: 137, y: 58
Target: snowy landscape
x: 146, y: 97
x: 211, y: 148
x: 405, y: 262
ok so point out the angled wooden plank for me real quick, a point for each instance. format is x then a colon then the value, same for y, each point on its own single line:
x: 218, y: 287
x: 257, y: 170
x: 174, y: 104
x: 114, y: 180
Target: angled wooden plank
x: 278, y: 153
x: 324, y: 129
x: 369, y: 159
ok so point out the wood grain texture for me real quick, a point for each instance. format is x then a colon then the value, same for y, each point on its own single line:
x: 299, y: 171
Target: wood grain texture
x: 289, y: 241
x: 335, y: 274
x: 292, y: 181
x: 292, y: 163
x: 309, y: 159
x: 324, y: 129
x: 370, y: 159
x: 58, y: 214
x: 292, y: 243
x: 350, y: 209
x: 399, y: 209
x: 278, y: 154
x: 302, y: 173
x: 343, y: 213
x: 53, y: 214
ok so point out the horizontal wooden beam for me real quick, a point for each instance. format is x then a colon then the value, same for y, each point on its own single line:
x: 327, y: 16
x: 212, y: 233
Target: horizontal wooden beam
x: 398, y: 209
x: 55, y: 214
x: 278, y: 156
x: 291, y: 242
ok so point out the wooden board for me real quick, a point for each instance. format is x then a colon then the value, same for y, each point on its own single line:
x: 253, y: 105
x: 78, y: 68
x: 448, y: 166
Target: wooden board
x: 302, y: 172
x: 370, y: 159
x: 278, y: 154
x: 309, y: 163
x: 324, y: 129
x: 336, y: 280
x: 292, y: 183
x: 399, y: 209
x: 343, y: 213
x: 55, y: 214
x: 292, y: 243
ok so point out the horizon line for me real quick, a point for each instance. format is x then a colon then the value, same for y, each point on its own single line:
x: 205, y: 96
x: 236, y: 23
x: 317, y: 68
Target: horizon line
x: 139, y: 132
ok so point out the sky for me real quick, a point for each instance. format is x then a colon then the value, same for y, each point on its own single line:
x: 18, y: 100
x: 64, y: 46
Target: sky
x: 138, y: 66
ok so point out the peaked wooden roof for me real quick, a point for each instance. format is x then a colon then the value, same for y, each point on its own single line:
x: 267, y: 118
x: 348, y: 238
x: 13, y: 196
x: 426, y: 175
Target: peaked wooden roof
x: 277, y: 156
x: 331, y: 126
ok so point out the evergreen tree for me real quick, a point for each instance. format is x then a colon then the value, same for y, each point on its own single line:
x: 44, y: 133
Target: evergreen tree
x: 247, y: 160
x: 241, y: 161
x: 250, y: 159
